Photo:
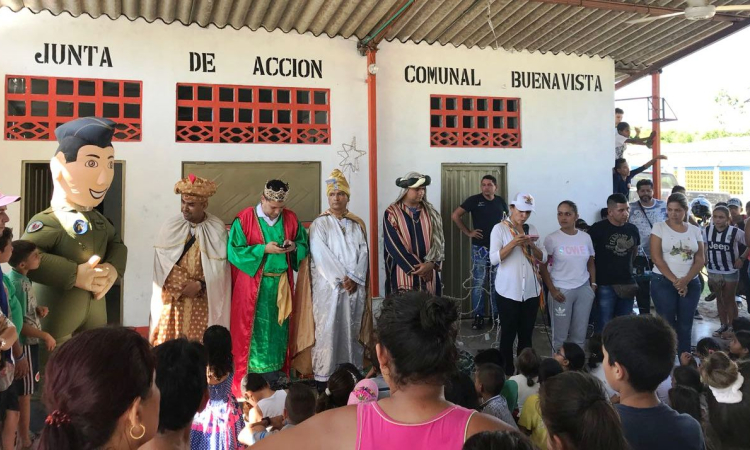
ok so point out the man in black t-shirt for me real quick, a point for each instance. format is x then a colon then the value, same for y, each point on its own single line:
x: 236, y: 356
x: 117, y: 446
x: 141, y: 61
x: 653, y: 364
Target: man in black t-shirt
x: 616, y: 245
x: 487, y: 210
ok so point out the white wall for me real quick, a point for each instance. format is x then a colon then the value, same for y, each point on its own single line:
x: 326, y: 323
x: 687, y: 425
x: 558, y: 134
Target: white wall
x: 567, y: 135
x: 157, y: 54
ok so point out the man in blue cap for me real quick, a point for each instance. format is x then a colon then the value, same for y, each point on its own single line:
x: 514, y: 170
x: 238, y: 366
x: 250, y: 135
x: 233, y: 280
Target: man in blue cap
x: 82, y: 254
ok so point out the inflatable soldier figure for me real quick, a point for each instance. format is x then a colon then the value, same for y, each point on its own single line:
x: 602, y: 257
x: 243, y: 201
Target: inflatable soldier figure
x: 82, y: 254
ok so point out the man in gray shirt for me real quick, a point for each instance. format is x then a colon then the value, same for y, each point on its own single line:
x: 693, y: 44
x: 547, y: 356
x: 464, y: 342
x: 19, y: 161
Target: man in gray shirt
x: 644, y: 213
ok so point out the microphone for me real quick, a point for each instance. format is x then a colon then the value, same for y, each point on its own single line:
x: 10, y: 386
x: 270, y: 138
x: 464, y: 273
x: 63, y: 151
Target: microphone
x: 526, y: 228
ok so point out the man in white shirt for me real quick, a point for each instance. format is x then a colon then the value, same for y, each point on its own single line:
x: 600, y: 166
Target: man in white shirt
x: 644, y: 213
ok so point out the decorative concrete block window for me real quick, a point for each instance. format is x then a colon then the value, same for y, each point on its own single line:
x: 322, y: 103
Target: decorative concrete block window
x: 463, y: 121
x: 35, y: 106
x: 252, y: 114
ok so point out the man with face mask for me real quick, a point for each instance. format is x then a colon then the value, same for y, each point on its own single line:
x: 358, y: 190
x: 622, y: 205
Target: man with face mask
x: 644, y: 213
x: 192, y: 281
x: 82, y: 254
x: 340, y: 283
x: 413, y: 239
x: 267, y: 243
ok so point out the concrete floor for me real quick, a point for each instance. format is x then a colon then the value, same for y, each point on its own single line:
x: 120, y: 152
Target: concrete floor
x: 473, y: 340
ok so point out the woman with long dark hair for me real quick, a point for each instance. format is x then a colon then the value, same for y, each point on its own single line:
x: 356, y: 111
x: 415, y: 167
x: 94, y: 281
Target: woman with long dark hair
x: 100, y: 393
x: 677, y: 252
x: 416, y: 350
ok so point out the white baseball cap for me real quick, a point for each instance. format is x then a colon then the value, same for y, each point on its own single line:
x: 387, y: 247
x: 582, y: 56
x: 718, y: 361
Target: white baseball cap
x: 6, y: 200
x: 523, y: 202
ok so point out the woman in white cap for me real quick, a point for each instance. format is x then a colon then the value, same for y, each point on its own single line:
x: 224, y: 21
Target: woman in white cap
x: 516, y: 250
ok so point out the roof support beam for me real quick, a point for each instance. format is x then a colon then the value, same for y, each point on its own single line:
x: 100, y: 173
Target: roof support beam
x: 694, y: 47
x: 633, y: 8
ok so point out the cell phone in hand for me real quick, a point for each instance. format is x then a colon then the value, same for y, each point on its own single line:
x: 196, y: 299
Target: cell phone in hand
x: 534, y: 237
x: 283, y: 245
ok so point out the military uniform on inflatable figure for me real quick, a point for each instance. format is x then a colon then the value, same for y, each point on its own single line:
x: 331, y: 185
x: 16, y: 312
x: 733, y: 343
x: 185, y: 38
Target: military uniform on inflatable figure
x: 82, y: 254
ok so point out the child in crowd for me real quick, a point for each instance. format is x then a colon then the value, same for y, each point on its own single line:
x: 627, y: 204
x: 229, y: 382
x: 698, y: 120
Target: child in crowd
x: 510, y: 388
x: 622, y: 175
x: 571, y: 357
x: 298, y: 407
x: 728, y: 399
x: 365, y: 391
x: 266, y: 402
x: 218, y: 426
x: 181, y: 379
x: 489, y: 381
x: 530, y: 420
x: 527, y: 366
x: 639, y: 353
x: 578, y: 415
x: 703, y: 349
x: 499, y: 440
x: 460, y: 390
x: 340, y: 384
x: 596, y: 356
x: 739, y: 346
x: 25, y: 258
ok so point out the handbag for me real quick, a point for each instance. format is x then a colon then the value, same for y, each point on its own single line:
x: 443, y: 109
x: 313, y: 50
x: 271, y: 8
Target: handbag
x: 625, y: 291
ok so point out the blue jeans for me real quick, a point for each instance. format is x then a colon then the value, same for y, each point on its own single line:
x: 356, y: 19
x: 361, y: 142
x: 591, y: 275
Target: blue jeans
x: 677, y: 311
x: 480, y: 285
x: 609, y: 306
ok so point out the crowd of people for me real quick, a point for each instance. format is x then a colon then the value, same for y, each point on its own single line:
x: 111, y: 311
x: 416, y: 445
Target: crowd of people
x: 233, y: 311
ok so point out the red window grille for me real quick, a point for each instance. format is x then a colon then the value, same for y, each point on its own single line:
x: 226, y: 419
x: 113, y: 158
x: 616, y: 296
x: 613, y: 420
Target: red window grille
x: 35, y: 106
x: 462, y: 121
x: 252, y: 114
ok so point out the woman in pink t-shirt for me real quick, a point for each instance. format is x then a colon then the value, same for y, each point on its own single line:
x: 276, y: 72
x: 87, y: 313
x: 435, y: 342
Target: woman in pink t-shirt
x: 417, y: 352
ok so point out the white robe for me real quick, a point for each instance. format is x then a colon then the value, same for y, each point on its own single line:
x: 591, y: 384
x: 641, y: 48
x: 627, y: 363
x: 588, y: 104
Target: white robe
x: 336, y: 254
x: 211, y: 235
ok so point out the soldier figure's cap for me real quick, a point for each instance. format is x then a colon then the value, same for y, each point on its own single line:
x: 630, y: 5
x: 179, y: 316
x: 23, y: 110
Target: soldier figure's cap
x: 84, y: 131
x: 6, y: 200
x: 192, y: 186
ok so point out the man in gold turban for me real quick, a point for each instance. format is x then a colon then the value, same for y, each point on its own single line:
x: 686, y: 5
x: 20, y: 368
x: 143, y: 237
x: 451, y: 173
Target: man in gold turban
x: 192, y: 279
x: 340, y: 283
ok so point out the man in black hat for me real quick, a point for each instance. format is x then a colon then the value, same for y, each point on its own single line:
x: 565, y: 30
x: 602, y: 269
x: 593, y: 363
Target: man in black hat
x: 82, y: 254
x: 413, y: 239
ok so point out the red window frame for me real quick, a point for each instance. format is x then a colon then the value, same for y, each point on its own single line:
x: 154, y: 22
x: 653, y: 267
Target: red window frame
x: 64, y: 102
x: 470, y: 121
x: 221, y: 113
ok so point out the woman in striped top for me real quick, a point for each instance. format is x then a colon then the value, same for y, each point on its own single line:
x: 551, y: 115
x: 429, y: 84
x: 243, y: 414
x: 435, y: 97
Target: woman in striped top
x: 723, y: 260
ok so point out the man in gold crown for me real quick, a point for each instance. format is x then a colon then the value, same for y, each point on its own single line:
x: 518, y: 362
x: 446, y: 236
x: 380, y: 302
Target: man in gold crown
x: 192, y: 281
x: 267, y: 243
x: 340, y: 283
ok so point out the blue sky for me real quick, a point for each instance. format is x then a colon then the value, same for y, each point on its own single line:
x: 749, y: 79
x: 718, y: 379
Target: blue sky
x: 690, y: 85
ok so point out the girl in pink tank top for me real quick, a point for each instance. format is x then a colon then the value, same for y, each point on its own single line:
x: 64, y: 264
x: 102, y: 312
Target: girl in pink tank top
x: 377, y: 431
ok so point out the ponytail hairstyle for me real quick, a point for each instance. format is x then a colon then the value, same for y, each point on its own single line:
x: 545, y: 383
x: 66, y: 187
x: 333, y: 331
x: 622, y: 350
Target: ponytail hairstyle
x: 596, y: 355
x: 418, y: 331
x: 90, y: 382
x: 576, y: 410
x: 218, y: 343
x: 340, y: 384
x: 728, y: 401
x: 527, y: 364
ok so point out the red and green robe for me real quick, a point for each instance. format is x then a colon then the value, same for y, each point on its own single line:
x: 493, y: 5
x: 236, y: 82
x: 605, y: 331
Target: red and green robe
x: 259, y: 342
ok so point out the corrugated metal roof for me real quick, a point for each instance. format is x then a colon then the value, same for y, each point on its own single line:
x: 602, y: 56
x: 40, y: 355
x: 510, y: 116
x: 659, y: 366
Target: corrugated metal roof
x: 593, y: 28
